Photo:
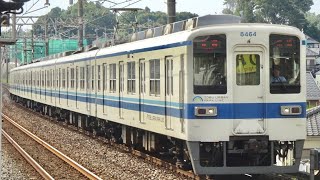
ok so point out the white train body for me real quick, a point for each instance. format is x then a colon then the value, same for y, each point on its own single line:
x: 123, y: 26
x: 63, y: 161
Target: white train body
x: 163, y: 85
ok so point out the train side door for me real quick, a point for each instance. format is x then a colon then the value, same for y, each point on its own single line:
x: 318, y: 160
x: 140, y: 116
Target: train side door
x: 36, y: 86
x: 248, y: 90
x: 104, y: 87
x: 31, y: 85
x: 168, y: 91
x: 142, y: 89
x: 45, y: 78
x: 121, y: 88
x: 51, y: 84
x: 88, y: 87
x: 67, y: 86
x: 77, y: 86
x: 59, y: 86
x: 42, y: 92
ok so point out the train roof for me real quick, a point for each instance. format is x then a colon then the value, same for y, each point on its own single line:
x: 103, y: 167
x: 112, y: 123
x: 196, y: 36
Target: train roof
x: 170, y: 35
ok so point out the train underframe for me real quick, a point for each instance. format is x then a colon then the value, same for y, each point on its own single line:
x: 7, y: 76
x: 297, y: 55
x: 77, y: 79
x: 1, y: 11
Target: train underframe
x: 240, y: 155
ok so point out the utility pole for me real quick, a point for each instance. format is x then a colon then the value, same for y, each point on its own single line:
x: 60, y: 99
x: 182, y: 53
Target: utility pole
x: 15, y: 55
x: 171, y: 9
x: 32, y: 46
x: 7, y: 69
x: 46, y: 40
x: 14, y: 31
x: 80, y: 16
x: 25, y: 50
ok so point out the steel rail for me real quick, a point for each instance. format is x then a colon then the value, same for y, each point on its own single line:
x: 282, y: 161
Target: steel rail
x: 134, y: 152
x: 65, y: 158
x: 31, y: 161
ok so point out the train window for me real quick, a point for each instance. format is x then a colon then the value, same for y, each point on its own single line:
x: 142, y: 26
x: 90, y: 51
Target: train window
x: 38, y: 79
x: 113, y: 77
x: 209, y: 64
x: 284, y: 64
x: 121, y: 77
x: 105, y: 74
x: 142, y: 76
x: 68, y: 78
x: 88, y: 77
x: 72, y: 78
x: 42, y: 79
x: 77, y: 78
x: 33, y: 79
x: 99, y: 77
x: 53, y: 74
x: 154, y: 76
x: 131, y: 77
x: 60, y: 78
x: 92, y: 78
x: 82, y: 79
x: 248, y: 69
x: 57, y: 78
x: 63, y: 78
x: 48, y: 78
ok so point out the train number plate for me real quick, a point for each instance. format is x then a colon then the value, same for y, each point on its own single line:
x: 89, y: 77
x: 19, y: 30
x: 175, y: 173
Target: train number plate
x: 242, y: 34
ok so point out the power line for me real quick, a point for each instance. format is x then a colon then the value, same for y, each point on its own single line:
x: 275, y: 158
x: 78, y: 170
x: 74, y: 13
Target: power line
x: 91, y: 22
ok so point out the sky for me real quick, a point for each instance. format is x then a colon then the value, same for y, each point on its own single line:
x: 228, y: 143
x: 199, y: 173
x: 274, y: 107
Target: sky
x: 203, y: 8
x: 200, y: 7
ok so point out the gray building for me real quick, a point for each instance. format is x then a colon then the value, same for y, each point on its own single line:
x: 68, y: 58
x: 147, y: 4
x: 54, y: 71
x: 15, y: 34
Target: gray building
x: 313, y: 52
x: 313, y: 116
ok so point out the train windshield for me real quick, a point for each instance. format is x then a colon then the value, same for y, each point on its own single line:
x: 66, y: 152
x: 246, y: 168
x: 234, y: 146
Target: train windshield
x: 209, y: 64
x: 284, y: 64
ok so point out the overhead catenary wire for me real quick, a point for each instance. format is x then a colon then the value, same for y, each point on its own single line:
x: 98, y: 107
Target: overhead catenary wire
x: 90, y: 22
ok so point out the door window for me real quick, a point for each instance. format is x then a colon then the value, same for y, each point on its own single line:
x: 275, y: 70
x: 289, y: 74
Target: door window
x: 248, y: 69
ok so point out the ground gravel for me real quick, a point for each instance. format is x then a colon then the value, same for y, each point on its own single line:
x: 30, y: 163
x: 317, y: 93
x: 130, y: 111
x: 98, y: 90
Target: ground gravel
x: 14, y: 166
x: 100, y: 158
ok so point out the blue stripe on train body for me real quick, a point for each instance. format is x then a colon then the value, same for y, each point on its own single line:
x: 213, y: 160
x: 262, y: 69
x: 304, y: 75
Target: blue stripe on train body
x: 225, y: 111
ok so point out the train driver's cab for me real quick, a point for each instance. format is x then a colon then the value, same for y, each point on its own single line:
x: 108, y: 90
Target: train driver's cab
x: 210, y: 67
x: 284, y: 64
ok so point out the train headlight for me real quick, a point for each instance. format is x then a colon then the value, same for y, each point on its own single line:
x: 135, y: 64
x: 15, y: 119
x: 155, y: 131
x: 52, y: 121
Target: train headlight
x: 291, y: 110
x: 205, y: 111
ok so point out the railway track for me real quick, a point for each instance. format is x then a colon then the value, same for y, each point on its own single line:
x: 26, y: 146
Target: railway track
x: 62, y: 160
x: 151, y: 159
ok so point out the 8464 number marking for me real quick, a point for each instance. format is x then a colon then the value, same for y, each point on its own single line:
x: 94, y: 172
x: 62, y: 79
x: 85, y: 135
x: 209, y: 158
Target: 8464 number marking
x: 249, y: 34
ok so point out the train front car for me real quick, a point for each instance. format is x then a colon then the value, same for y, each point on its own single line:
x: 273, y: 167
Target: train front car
x: 246, y: 99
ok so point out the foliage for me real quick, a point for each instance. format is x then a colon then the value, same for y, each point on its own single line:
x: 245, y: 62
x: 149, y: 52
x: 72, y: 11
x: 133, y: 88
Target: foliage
x: 103, y: 20
x: 313, y: 19
x: 147, y: 19
x: 95, y: 17
x: 288, y: 12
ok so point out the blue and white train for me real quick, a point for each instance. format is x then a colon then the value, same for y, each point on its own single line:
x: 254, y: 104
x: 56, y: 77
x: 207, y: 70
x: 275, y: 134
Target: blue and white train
x: 200, y: 91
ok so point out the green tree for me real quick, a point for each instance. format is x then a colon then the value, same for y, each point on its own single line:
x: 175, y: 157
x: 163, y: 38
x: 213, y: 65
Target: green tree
x: 313, y: 19
x: 290, y: 12
x: 312, y: 26
x: 185, y: 15
x: 95, y: 17
x: 231, y: 6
